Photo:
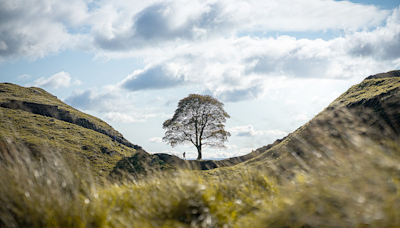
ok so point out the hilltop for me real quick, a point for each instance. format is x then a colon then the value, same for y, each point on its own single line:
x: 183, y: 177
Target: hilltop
x: 366, y: 114
x: 37, y: 120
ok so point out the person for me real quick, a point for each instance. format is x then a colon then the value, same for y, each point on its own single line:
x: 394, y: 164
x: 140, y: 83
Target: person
x: 184, y: 155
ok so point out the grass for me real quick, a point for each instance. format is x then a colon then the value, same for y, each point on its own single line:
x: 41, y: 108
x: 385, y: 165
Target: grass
x: 368, y: 89
x: 372, y: 107
x: 78, y: 145
x: 339, y: 170
x: 10, y: 91
x: 46, y: 192
x: 357, y: 190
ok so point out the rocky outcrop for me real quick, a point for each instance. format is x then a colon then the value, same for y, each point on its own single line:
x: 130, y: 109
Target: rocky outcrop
x: 390, y: 74
x: 55, y: 112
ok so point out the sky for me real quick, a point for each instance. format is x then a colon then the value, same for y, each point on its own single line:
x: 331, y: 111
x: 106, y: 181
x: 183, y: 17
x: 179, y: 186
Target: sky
x: 274, y: 64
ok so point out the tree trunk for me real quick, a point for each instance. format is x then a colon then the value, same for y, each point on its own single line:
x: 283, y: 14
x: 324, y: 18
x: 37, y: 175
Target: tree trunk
x: 199, y: 152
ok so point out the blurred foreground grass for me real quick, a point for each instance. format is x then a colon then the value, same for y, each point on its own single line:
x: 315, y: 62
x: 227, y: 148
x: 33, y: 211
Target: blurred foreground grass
x: 360, y: 189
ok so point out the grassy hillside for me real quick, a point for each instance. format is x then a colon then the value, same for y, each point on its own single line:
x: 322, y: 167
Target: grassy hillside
x: 10, y: 92
x: 369, y: 111
x: 339, y: 170
x: 37, y: 120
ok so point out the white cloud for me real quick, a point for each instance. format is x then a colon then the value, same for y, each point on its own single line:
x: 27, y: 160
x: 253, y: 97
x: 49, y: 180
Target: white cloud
x: 289, y: 15
x: 24, y: 77
x: 245, y: 68
x: 243, y: 131
x: 290, y: 101
x: 37, y: 28
x: 248, y: 131
x: 61, y: 79
x: 114, y: 104
x: 244, y: 151
x: 273, y: 132
x: 212, y: 45
x: 108, y: 99
x: 128, y: 117
x: 157, y: 77
x: 160, y: 23
x: 155, y: 140
x: 317, y: 100
x: 231, y: 147
x: 77, y: 82
x: 301, y: 116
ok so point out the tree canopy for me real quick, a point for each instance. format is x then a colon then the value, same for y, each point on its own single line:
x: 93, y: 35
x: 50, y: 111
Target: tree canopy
x: 199, y: 119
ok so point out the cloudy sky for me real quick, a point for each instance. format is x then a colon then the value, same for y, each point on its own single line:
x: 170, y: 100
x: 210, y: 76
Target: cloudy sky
x: 274, y: 64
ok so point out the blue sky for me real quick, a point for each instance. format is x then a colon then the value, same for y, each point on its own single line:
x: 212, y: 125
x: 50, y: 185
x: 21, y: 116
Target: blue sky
x: 275, y: 64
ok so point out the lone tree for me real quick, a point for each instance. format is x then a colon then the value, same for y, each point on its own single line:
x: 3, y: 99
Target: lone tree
x: 198, y: 120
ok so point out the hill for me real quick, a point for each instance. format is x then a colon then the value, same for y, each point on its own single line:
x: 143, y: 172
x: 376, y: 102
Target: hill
x: 367, y: 114
x: 37, y: 120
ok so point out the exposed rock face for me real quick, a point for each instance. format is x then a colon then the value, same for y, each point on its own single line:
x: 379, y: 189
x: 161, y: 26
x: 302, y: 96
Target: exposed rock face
x: 64, y: 115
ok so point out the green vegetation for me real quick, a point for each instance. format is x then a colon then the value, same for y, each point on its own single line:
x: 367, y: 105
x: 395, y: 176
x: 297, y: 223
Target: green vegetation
x: 367, y: 89
x: 339, y: 170
x: 10, y: 91
x: 362, y: 190
x: 77, y: 144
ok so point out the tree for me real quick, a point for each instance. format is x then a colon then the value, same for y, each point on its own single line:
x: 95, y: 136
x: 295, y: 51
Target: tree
x: 199, y: 119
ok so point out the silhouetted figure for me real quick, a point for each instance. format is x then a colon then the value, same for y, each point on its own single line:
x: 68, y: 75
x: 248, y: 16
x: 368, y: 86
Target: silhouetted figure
x: 184, y: 155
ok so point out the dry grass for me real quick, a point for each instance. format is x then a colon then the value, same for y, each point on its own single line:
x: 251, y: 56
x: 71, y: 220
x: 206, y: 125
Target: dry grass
x: 75, y: 143
x: 356, y: 190
x: 340, y: 170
